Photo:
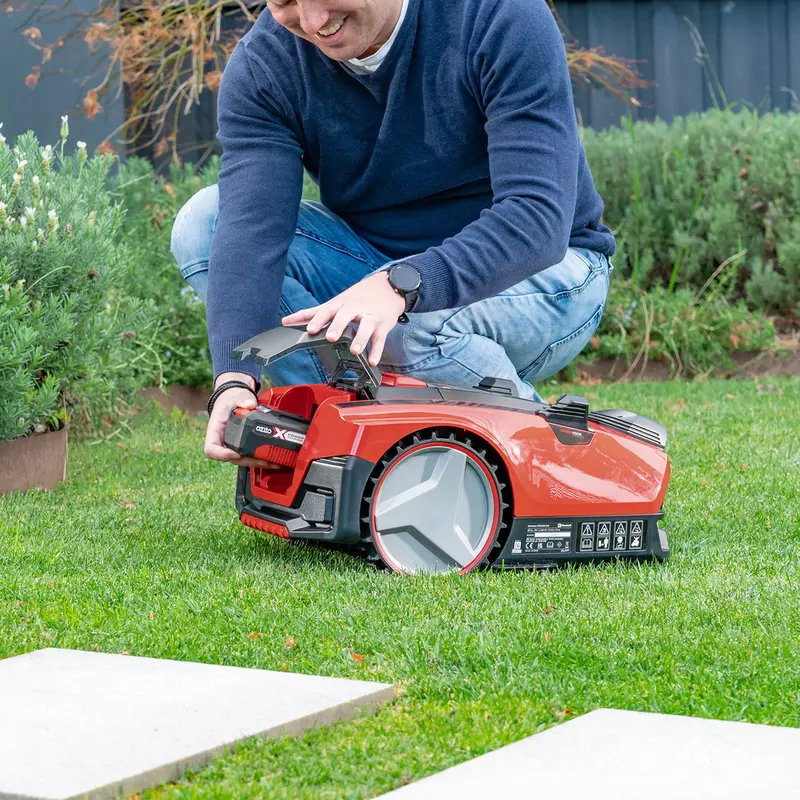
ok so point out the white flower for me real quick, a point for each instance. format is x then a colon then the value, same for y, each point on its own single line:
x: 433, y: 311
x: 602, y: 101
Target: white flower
x: 35, y: 180
x: 22, y: 164
x: 65, y: 119
x: 23, y: 220
x: 31, y: 212
x: 46, y: 155
x: 81, y: 145
x: 17, y: 178
x: 48, y: 149
x: 64, y: 126
x: 2, y: 207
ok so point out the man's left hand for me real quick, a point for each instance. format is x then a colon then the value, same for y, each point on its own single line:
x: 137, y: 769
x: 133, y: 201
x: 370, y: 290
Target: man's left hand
x: 371, y: 303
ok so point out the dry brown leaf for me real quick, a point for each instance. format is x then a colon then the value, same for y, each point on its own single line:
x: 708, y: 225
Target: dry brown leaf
x: 161, y: 147
x: 356, y: 657
x: 595, y: 342
x: 91, y: 105
x: 255, y: 635
x: 105, y: 148
x: 152, y: 615
x: 32, y: 33
x: 169, y: 189
x: 548, y: 611
x: 546, y: 638
x: 32, y: 78
x: 561, y: 713
x: 213, y: 80
x: 730, y: 396
x: 126, y: 504
x: 290, y: 642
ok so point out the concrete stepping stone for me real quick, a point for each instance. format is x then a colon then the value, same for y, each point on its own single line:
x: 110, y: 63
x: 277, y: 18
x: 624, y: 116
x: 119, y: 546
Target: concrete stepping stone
x: 629, y: 755
x: 76, y: 724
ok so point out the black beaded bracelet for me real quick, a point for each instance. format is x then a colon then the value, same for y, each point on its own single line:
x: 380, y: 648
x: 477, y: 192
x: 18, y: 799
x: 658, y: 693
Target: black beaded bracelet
x: 229, y: 385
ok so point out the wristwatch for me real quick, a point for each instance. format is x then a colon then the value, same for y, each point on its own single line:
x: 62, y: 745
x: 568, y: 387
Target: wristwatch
x: 405, y: 280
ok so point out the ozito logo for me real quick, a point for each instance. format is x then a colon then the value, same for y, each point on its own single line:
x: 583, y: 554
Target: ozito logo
x: 282, y: 434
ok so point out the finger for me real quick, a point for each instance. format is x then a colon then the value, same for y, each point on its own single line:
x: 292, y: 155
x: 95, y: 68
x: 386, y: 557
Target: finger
x: 298, y: 317
x: 343, y: 317
x: 377, y: 344
x: 215, y: 431
x: 321, y: 318
x: 366, y: 325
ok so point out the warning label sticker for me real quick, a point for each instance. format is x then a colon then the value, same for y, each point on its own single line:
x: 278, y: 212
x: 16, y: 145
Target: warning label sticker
x: 550, y: 528
x: 548, y: 537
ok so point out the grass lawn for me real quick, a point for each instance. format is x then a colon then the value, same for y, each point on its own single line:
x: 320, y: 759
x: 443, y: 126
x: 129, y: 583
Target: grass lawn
x: 141, y: 552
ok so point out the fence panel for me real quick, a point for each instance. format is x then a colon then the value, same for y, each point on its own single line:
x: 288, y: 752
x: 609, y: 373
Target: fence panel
x: 752, y: 49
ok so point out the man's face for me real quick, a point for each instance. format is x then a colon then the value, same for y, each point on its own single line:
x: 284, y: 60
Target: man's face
x: 342, y: 29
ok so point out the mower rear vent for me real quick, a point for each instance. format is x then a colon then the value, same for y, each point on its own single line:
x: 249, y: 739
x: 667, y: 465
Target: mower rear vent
x: 632, y: 424
x: 569, y: 410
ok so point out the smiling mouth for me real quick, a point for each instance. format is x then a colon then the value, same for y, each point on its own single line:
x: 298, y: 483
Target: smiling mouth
x: 332, y: 32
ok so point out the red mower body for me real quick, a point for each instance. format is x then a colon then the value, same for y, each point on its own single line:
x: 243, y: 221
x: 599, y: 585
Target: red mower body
x: 431, y: 478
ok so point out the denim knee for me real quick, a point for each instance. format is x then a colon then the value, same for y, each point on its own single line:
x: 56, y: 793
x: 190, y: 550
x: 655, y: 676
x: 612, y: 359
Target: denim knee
x: 193, y: 231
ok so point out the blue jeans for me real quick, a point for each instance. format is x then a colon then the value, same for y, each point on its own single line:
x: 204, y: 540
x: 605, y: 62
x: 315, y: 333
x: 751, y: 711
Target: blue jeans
x: 525, y: 334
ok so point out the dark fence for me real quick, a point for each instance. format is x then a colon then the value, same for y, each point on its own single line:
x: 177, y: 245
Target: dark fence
x: 750, y: 49
x: 60, y: 89
x: 698, y: 53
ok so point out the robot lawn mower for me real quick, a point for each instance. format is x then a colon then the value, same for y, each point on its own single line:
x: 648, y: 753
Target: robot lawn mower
x: 417, y: 477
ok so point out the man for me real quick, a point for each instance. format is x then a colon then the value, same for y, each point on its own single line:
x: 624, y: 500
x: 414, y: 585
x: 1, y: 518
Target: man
x: 453, y: 186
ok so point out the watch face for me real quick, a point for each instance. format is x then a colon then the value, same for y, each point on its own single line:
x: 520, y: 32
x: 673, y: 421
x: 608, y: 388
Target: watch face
x: 404, y: 278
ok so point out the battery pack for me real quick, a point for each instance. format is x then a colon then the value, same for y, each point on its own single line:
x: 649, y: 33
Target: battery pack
x: 266, y: 433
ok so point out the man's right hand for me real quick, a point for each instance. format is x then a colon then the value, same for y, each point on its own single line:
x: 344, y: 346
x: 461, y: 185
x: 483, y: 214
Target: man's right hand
x: 230, y: 399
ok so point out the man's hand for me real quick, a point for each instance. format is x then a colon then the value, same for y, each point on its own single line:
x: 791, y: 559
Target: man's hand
x: 372, y: 303
x: 231, y: 398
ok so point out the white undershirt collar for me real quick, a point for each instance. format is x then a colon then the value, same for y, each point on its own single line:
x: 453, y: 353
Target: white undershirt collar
x: 371, y: 63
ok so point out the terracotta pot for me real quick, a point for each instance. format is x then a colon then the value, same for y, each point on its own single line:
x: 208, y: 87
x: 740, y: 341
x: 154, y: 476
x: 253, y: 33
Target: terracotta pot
x: 188, y: 399
x: 36, y: 460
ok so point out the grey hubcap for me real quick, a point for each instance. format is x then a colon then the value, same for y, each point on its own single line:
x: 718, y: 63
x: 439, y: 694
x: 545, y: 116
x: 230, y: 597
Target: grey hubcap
x: 434, y: 510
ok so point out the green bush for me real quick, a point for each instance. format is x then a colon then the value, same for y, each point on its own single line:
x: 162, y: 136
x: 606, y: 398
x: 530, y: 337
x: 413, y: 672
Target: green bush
x: 151, y: 203
x: 693, y: 333
x: 684, y: 197
x: 72, y: 344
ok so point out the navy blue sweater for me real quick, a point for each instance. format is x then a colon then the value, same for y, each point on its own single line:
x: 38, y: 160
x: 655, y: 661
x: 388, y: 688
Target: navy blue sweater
x: 461, y: 153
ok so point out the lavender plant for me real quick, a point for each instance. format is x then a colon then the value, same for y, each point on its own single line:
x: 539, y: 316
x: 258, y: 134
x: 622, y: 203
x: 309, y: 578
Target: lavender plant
x: 72, y: 345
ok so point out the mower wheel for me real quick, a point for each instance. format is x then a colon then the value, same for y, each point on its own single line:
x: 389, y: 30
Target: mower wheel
x: 433, y: 504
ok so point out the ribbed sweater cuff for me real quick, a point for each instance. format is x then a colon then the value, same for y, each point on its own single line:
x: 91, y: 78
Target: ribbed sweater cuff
x: 436, y: 291
x: 221, y: 350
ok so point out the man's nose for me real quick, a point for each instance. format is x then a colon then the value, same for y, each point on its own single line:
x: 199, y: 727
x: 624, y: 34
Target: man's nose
x: 312, y: 17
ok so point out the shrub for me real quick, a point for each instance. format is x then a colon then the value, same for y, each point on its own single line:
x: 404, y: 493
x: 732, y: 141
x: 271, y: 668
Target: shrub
x: 152, y: 203
x: 694, y: 332
x: 72, y: 344
x: 684, y: 197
